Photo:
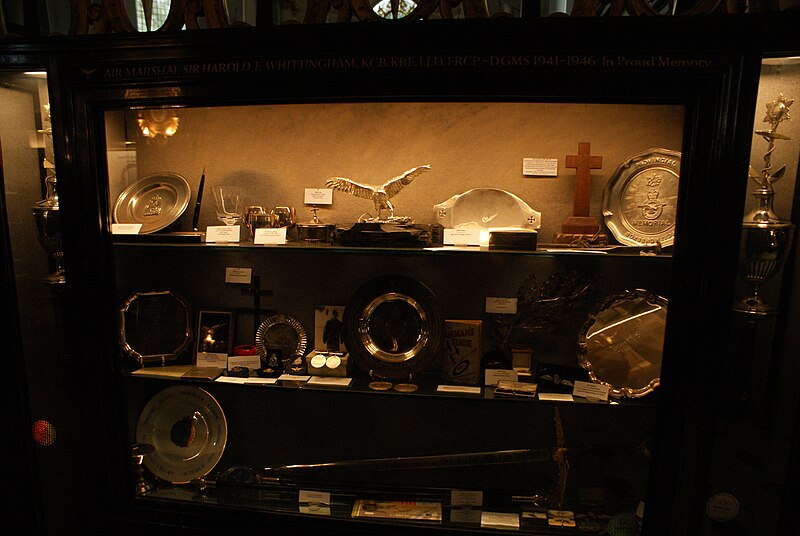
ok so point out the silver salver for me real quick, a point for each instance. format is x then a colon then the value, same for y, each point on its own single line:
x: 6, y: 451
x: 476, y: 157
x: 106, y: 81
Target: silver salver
x: 640, y: 201
x: 283, y: 332
x: 621, y: 343
x: 155, y: 326
x: 156, y: 201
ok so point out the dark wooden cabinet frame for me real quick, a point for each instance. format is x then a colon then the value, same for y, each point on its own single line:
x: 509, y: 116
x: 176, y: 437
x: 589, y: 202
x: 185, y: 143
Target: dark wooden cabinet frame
x: 710, y: 66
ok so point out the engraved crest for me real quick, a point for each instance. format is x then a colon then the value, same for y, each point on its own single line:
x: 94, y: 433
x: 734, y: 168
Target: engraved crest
x: 640, y: 201
x: 153, y: 206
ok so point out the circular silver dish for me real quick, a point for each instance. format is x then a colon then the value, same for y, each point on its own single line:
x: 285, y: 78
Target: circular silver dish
x: 188, y: 431
x: 283, y: 332
x: 392, y: 327
x: 156, y: 202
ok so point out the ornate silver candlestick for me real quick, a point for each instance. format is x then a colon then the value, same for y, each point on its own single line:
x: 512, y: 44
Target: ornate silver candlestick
x: 766, y: 237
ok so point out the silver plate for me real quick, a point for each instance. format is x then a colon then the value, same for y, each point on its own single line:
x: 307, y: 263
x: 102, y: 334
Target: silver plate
x: 640, y: 200
x: 188, y: 431
x: 621, y: 343
x: 155, y: 326
x: 283, y: 332
x: 392, y: 327
x: 155, y: 201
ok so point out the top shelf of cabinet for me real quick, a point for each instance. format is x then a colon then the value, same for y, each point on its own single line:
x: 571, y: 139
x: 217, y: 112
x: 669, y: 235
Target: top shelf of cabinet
x: 544, y: 250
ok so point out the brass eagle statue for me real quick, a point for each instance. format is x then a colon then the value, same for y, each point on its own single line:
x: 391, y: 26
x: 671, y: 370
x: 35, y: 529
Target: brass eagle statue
x: 379, y: 195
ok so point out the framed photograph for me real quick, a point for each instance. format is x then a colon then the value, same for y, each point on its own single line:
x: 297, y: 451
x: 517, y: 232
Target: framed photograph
x: 328, y: 328
x: 214, y: 337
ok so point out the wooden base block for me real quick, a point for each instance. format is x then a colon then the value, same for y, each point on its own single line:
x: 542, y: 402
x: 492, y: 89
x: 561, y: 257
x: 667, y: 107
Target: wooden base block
x: 580, y: 225
x: 581, y: 240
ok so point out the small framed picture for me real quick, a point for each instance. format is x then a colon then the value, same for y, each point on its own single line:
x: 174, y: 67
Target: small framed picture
x: 214, y: 337
x: 328, y: 328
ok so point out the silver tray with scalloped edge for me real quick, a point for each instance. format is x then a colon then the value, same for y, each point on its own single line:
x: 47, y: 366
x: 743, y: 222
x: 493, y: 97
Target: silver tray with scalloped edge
x: 640, y: 201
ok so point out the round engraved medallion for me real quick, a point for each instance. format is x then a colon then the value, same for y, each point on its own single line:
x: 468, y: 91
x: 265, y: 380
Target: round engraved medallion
x: 380, y: 386
x: 405, y: 387
x: 318, y: 361
x: 640, y: 200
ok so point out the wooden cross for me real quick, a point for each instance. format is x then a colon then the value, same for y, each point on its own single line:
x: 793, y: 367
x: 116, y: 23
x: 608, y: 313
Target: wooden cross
x: 581, y: 227
x: 583, y: 164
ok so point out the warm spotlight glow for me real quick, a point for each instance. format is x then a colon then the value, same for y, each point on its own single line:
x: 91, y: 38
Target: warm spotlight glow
x: 158, y: 122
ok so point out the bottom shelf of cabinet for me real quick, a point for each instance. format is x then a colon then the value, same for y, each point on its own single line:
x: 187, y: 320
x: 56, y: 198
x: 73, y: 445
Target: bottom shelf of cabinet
x: 395, y: 511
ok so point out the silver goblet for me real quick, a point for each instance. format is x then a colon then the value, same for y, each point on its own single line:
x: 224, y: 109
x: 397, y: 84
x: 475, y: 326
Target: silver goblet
x: 48, y: 227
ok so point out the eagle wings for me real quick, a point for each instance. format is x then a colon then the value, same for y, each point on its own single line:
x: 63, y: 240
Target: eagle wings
x: 378, y: 194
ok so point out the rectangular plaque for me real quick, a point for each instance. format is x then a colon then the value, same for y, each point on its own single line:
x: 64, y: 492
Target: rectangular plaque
x: 318, y: 196
x: 501, y: 305
x: 270, y: 235
x: 222, y: 233
x: 540, y: 167
x: 462, y: 237
x: 591, y: 391
x: 237, y: 274
x: 125, y: 228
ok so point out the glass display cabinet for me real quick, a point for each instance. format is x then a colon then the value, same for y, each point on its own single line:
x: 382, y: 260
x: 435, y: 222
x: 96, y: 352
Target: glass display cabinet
x: 406, y: 279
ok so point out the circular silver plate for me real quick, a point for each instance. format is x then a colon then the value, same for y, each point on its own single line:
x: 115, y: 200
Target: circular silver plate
x: 392, y: 327
x: 283, y: 332
x: 155, y: 201
x: 640, y: 200
x: 188, y: 431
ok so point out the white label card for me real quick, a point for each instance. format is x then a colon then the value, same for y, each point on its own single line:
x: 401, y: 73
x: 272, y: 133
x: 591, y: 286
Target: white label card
x: 222, y: 233
x: 462, y: 237
x: 318, y: 196
x: 500, y: 519
x: 459, y: 389
x: 270, y: 235
x: 231, y: 379
x: 316, y: 497
x: 556, y: 397
x: 294, y: 378
x: 591, y: 391
x: 212, y: 359
x: 236, y: 274
x: 253, y: 362
x: 492, y: 376
x: 326, y: 380
x: 459, y: 497
x: 126, y: 228
x: 261, y: 381
x: 540, y: 167
x: 501, y: 305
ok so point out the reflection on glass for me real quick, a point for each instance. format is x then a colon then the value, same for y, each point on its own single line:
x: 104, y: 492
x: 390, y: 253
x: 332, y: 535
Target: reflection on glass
x: 158, y: 122
x: 396, y: 9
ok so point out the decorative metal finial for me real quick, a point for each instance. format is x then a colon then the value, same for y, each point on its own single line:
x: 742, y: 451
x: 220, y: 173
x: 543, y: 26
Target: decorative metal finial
x: 777, y: 112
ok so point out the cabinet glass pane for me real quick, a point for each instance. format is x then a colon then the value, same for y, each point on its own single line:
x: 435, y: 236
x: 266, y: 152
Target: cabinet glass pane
x: 523, y: 453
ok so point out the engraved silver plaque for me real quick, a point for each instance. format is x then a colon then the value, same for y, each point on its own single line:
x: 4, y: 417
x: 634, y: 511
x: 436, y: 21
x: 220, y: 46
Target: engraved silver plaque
x: 640, y: 200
